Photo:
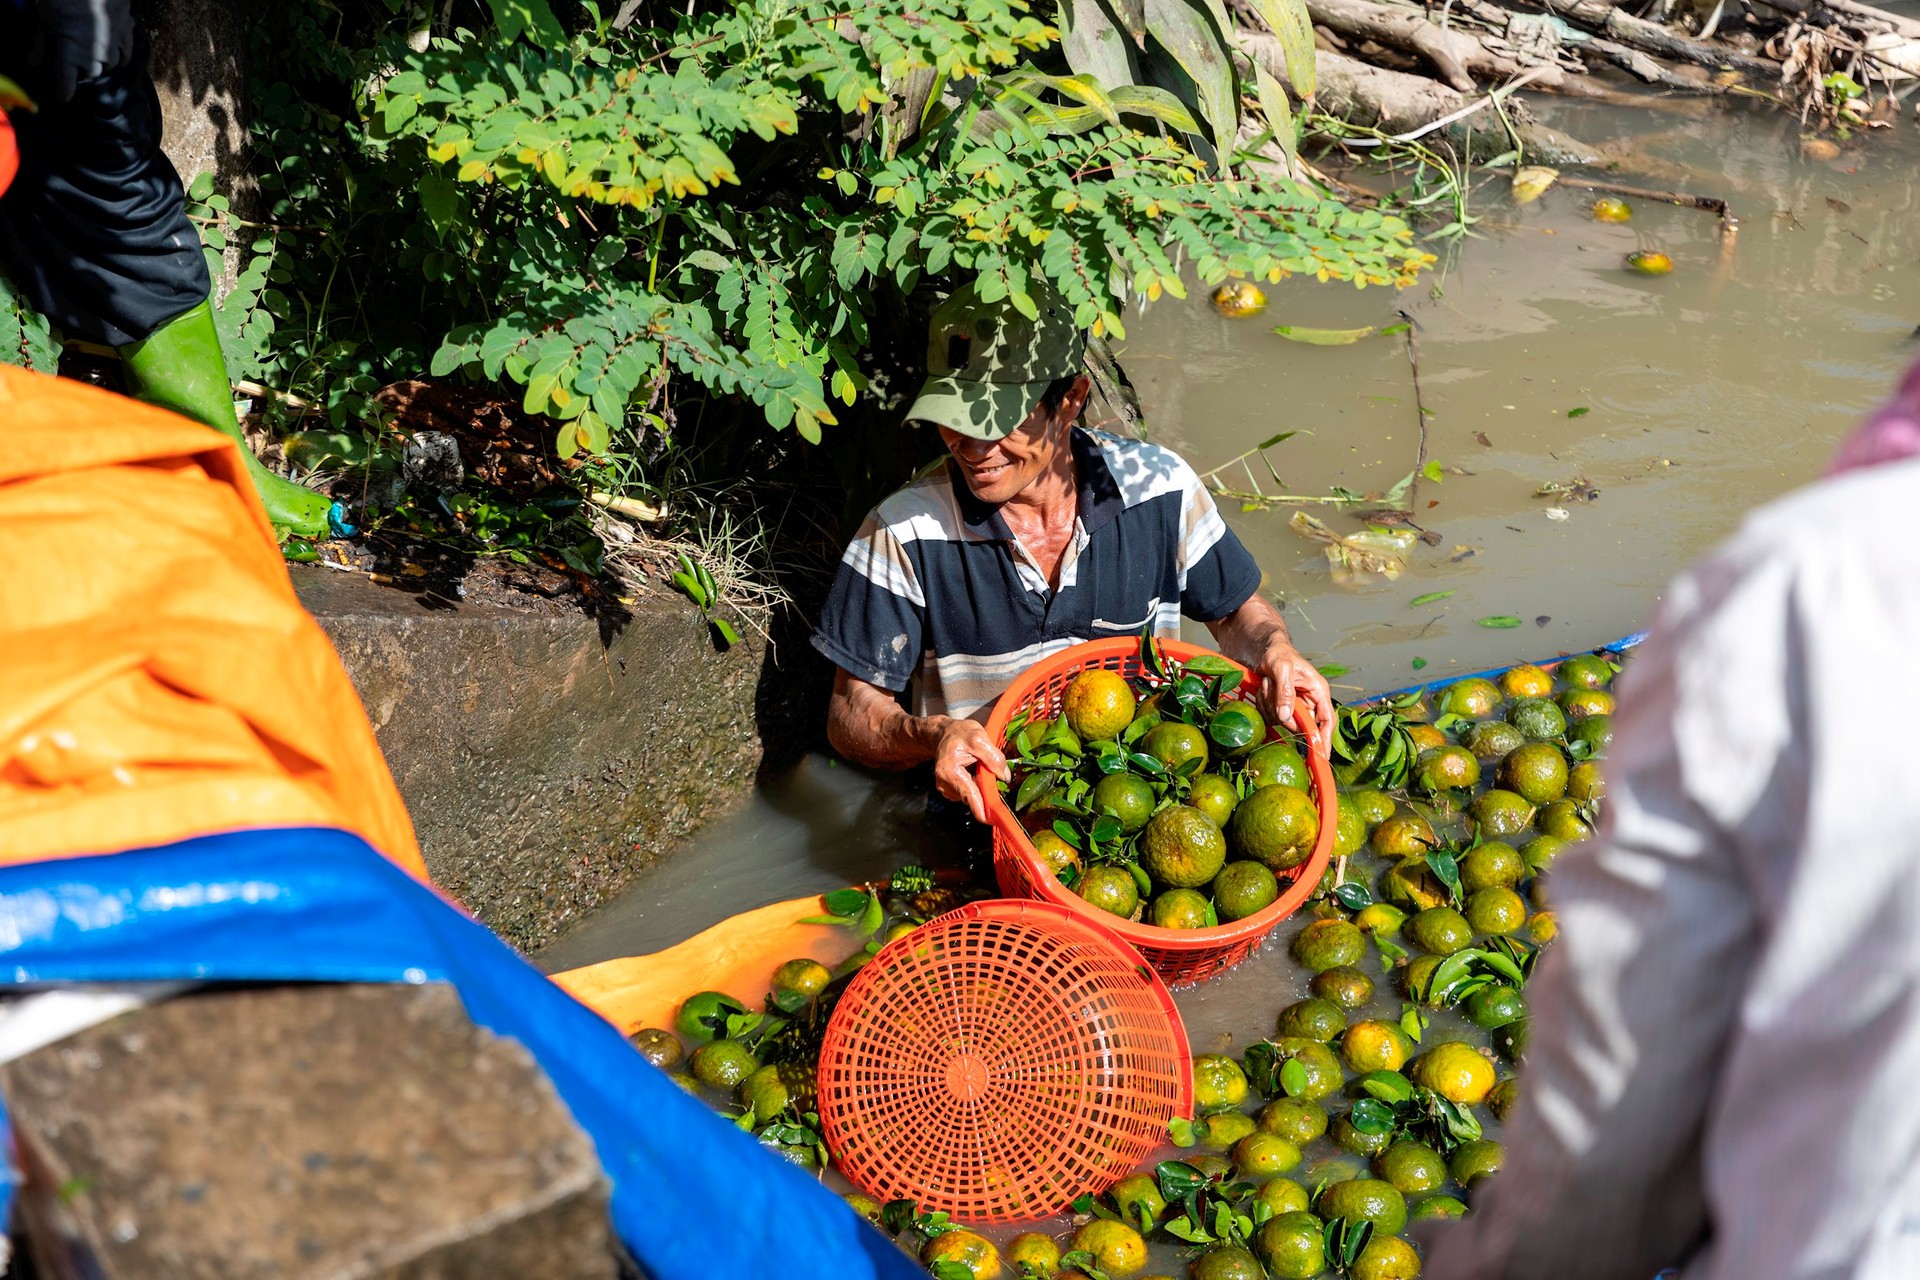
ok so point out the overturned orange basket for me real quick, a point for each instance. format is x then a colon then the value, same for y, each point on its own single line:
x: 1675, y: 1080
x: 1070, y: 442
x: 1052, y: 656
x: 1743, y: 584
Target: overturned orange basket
x: 1180, y: 956
x: 1000, y: 1061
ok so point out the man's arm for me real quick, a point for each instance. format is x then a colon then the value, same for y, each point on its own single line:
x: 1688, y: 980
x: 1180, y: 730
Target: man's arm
x: 1255, y: 635
x: 867, y: 726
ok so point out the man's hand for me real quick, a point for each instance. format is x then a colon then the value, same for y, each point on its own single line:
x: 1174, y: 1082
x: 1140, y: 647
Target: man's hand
x: 962, y: 745
x: 1255, y: 636
x: 867, y: 726
x: 1286, y: 677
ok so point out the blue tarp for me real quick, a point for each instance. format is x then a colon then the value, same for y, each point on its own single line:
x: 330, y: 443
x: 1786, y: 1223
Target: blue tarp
x: 692, y: 1195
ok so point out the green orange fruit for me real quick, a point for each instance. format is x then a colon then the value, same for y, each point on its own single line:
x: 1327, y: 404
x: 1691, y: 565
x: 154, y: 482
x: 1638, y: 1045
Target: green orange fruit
x: 1181, y: 848
x: 1277, y: 826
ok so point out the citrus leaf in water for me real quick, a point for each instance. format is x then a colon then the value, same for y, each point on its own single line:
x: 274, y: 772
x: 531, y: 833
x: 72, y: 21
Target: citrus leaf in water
x: 1581, y: 412
x: 1332, y: 670
x: 1387, y: 1086
x: 1430, y: 597
x: 1353, y: 896
x: 848, y: 903
x: 1293, y: 1078
x: 1419, y: 663
x: 1501, y: 622
x: 1371, y: 1116
x: 1324, y: 337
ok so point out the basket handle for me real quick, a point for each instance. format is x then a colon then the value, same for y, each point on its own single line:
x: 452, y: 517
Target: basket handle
x: 1319, y: 742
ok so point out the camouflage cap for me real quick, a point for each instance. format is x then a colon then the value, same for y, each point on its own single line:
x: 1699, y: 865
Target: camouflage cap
x: 989, y: 364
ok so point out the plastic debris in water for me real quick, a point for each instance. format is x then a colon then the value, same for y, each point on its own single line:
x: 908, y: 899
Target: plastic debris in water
x: 1531, y: 182
x: 1356, y: 556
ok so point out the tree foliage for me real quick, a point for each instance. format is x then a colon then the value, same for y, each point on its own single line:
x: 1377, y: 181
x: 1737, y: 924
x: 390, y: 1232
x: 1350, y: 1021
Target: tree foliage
x: 754, y: 194
x: 718, y: 203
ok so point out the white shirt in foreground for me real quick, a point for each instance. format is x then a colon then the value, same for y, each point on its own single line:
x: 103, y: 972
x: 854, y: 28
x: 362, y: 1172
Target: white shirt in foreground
x: 1724, y: 1071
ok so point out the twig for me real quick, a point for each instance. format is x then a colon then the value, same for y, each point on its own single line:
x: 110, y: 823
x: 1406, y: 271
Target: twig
x: 1491, y: 98
x: 632, y: 508
x: 1419, y: 407
x: 1729, y: 225
x: 260, y: 391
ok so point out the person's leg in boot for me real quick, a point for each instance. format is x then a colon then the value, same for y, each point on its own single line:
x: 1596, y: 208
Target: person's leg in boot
x: 95, y: 230
x: 179, y: 367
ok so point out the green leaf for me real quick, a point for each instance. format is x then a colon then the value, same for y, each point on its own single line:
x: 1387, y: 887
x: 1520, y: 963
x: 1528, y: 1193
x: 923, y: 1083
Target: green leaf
x: 1581, y: 412
x: 728, y: 634
x: 1433, y: 472
x: 847, y: 903
x: 1288, y: 19
x: 1278, y: 110
x: 1188, y: 35
x: 1353, y: 895
x: 1178, y: 1179
x: 1371, y: 1116
x: 1155, y: 103
x: 1293, y: 1078
x: 1212, y: 664
x: 1332, y: 670
x: 1500, y: 622
x: 1419, y: 664
x: 1097, y: 44
x: 1442, y: 986
x: 1324, y: 337
x: 1504, y: 965
x: 1430, y: 597
x: 1387, y: 1086
x: 531, y: 18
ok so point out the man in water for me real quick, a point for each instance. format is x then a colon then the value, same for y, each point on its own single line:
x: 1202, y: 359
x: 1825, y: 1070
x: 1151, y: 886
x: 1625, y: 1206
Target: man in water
x: 1720, y: 1075
x: 1033, y: 535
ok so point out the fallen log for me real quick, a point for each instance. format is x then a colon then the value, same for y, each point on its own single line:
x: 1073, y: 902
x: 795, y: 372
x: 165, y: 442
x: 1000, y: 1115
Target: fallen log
x: 1642, y: 67
x: 1652, y: 38
x: 1461, y: 58
x: 1395, y: 102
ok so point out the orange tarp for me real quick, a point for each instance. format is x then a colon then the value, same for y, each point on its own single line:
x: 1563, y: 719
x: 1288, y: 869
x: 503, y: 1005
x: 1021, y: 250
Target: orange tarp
x: 158, y: 678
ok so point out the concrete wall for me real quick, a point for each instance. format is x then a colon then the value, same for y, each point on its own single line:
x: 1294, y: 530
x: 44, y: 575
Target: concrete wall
x: 545, y: 762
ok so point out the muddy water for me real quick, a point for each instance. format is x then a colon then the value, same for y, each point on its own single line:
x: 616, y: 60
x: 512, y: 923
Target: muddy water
x: 1678, y: 403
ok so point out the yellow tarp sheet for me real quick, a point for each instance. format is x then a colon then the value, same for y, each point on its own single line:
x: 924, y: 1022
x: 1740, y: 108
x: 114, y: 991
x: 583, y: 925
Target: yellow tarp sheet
x: 158, y: 678
x: 737, y: 956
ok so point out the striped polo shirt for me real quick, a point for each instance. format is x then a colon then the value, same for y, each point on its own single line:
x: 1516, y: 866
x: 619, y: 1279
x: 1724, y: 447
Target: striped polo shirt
x: 935, y: 592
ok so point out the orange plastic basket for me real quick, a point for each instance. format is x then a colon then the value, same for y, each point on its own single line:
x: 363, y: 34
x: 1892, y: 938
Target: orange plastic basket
x: 998, y: 1062
x: 1181, y: 956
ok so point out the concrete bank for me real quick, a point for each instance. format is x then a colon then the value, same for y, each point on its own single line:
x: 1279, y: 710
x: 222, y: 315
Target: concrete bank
x: 547, y: 757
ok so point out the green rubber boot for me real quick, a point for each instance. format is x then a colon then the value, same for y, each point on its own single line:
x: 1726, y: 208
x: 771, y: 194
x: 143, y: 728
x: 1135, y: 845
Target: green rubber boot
x: 179, y: 367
